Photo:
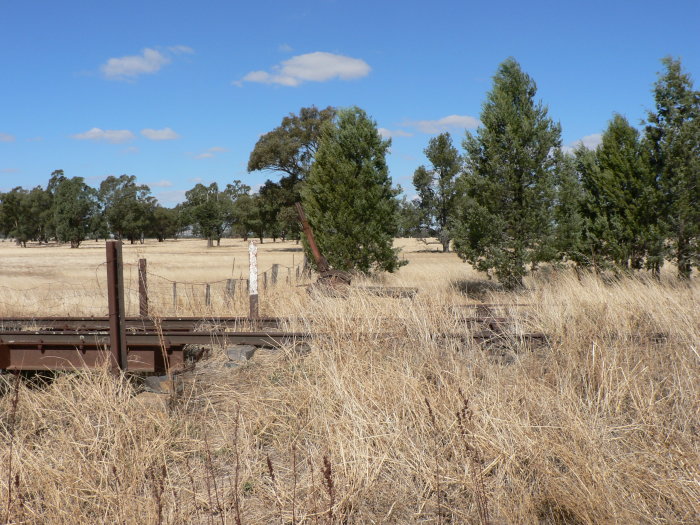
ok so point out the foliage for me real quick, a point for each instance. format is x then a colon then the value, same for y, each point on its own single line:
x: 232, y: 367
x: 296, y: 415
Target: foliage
x: 673, y: 137
x: 127, y: 206
x: 436, y: 187
x: 75, y: 205
x: 291, y: 147
x: 348, y: 196
x: 504, y: 220
x: 207, y: 210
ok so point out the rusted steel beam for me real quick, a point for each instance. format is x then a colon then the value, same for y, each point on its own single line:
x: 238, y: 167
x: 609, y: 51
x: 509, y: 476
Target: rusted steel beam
x: 321, y: 262
x: 115, y: 300
x: 136, y: 323
x: 146, y: 352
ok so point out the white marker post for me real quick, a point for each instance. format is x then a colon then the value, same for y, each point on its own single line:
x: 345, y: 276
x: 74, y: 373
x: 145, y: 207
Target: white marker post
x: 253, y: 279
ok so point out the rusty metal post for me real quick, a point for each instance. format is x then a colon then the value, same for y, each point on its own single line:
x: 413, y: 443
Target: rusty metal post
x: 275, y: 271
x: 143, y: 289
x: 253, y: 282
x: 321, y: 262
x: 115, y: 299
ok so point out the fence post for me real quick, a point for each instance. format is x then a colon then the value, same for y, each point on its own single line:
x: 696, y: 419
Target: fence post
x: 175, y: 296
x: 253, y: 283
x: 207, y: 295
x: 143, y: 289
x: 230, y: 289
x: 264, y: 280
x: 275, y: 271
x: 115, y: 301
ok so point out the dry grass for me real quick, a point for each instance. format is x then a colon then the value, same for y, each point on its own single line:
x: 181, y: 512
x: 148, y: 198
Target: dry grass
x: 600, y: 425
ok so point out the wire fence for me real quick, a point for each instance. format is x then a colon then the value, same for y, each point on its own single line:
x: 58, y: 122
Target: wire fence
x: 166, y: 296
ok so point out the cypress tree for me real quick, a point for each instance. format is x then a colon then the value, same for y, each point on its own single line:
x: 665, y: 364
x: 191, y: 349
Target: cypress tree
x: 673, y: 137
x: 626, y: 192
x: 348, y: 196
x: 505, y: 220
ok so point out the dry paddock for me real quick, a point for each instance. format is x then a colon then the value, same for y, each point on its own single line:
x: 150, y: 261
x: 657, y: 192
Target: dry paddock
x: 381, y: 422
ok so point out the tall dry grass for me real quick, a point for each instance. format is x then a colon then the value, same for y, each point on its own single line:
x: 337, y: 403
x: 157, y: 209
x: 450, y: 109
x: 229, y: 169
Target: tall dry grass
x: 382, y: 422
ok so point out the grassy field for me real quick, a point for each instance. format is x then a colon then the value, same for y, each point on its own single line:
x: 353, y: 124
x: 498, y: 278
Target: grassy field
x: 381, y: 422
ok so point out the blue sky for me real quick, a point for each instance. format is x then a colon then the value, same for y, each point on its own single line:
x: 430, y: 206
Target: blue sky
x: 179, y: 92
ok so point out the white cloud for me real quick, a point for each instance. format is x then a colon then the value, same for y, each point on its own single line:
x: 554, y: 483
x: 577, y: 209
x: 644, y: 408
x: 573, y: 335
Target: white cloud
x: 589, y: 142
x: 311, y: 67
x: 163, y: 183
x: 170, y: 197
x: 211, y: 152
x: 195, y: 179
x: 388, y: 133
x: 285, y: 48
x: 150, y: 61
x: 4, y: 137
x: 450, y: 122
x: 159, y: 134
x: 114, y: 136
x: 9, y: 170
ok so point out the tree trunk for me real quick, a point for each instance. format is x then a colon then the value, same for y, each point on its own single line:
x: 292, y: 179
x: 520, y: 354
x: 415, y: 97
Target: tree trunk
x: 210, y: 242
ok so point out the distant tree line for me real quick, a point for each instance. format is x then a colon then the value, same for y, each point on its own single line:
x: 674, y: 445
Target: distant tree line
x: 70, y: 211
x: 513, y: 200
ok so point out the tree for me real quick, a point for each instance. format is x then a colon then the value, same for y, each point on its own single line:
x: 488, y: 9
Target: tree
x: 436, y: 186
x: 128, y: 207
x: 505, y: 218
x: 673, y: 137
x: 409, y: 218
x: 348, y: 196
x: 570, y: 224
x: 75, y: 204
x: 206, y: 210
x: 164, y: 223
x: 291, y: 148
x: 625, y: 191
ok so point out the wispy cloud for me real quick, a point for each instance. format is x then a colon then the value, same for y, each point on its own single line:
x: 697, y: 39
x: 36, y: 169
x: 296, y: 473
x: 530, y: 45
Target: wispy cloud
x: 148, y: 62
x: 159, y: 134
x: 114, y: 136
x: 211, y: 152
x: 389, y: 133
x: 448, y: 123
x: 311, y: 67
x: 195, y: 179
x: 9, y: 170
x: 5, y: 137
x: 181, y: 50
x: 285, y: 48
x: 163, y: 183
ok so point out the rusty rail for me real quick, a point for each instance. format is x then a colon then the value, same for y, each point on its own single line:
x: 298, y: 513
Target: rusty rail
x: 145, y: 352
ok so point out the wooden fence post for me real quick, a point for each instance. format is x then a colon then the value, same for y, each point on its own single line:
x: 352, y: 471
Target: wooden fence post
x: 143, y: 289
x: 115, y: 300
x: 275, y: 271
x: 207, y: 295
x: 230, y: 289
x: 175, y: 296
